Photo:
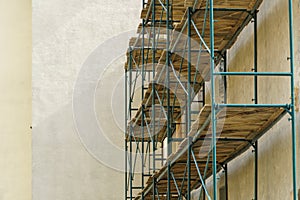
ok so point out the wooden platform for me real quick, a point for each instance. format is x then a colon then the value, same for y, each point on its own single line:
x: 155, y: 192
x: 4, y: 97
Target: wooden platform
x: 230, y: 16
x: 177, y: 11
x: 237, y: 128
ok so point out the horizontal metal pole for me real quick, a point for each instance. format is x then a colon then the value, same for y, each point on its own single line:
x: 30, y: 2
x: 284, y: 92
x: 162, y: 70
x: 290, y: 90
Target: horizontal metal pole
x: 161, y: 21
x: 148, y: 175
x: 177, y: 139
x: 255, y: 105
x: 225, y: 139
x: 147, y: 48
x: 195, y: 50
x: 253, y: 73
x: 137, y: 188
x: 226, y: 9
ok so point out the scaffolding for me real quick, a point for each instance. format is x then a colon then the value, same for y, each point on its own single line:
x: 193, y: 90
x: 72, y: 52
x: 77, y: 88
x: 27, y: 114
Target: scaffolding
x: 180, y: 130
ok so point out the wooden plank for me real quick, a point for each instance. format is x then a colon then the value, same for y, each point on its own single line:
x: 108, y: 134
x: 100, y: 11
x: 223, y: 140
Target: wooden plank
x: 189, y: 3
x: 261, y: 117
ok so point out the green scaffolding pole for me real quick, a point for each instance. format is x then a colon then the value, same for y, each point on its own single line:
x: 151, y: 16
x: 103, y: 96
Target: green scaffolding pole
x: 143, y: 109
x: 153, y: 94
x: 213, y: 103
x: 293, y: 113
x: 125, y: 142
x: 188, y: 115
x: 169, y: 131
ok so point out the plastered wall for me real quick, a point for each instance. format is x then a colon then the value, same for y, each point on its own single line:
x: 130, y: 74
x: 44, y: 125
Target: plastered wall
x: 15, y: 100
x: 275, y: 156
x: 65, y: 33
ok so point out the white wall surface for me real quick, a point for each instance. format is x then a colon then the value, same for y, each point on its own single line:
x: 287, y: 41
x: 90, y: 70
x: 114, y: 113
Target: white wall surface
x: 65, y: 33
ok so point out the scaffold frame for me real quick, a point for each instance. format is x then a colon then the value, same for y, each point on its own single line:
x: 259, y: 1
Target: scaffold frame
x: 176, y: 53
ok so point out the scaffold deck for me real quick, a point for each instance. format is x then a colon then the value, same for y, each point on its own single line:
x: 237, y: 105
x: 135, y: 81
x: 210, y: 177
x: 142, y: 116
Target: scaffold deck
x: 237, y: 129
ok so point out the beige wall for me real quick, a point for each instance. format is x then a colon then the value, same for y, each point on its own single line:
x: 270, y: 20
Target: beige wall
x: 275, y: 161
x: 15, y: 100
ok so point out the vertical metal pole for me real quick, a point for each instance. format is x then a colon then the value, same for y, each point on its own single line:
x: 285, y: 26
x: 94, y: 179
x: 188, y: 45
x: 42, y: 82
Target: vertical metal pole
x: 126, y: 168
x: 226, y: 181
x: 189, y: 107
x: 143, y: 108
x: 149, y: 161
x: 130, y: 81
x: 225, y: 77
x: 293, y: 113
x: 168, y: 82
x: 162, y: 154
x: 204, y: 195
x: 169, y: 182
x: 255, y: 102
x: 153, y: 85
x: 153, y: 189
x: 189, y: 100
x: 255, y: 58
x: 169, y: 131
x: 203, y: 94
x: 154, y: 186
x: 130, y: 171
x: 130, y: 140
x: 153, y: 95
x: 256, y: 171
x: 213, y: 109
x: 125, y: 142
